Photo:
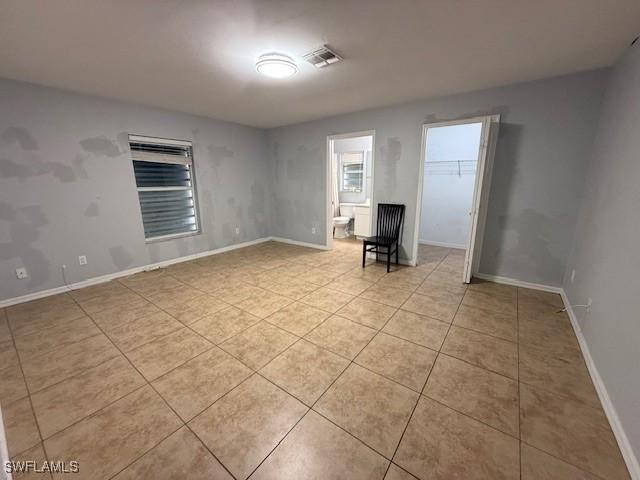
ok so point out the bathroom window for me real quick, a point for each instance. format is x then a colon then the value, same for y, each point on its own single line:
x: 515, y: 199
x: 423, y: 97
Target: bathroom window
x: 166, y: 189
x: 352, y: 171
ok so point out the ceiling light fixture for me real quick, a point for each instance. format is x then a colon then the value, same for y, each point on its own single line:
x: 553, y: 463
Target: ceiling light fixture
x: 276, y: 65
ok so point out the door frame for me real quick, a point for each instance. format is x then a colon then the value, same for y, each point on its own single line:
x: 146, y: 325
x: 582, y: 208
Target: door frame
x: 484, y: 170
x: 329, y: 176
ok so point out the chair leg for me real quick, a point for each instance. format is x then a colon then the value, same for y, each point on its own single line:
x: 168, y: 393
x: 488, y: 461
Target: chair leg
x: 388, y: 259
x: 364, y: 253
x: 397, y: 248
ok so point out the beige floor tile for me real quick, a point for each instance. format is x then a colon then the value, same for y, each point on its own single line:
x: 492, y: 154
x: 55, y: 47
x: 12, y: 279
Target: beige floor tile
x: 119, y: 315
x: 235, y: 292
x: 327, y: 299
x: 175, y: 299
x: 341, y: 336
x: 370, y: 407
x: 62, y: 404
x: 474, y: 391
x: 8, y: 355
x: 20, y: 426
x: 441, y: 444
x: 396, y: 473
x: 350, y: 285
x: 196, y: 308
x: 34, y: 454
x: 317, y: 276
x: 489, y: 302
x: 103, y: 302
x: 149, y: 328
x: 399, y: 360
x: 492, y: 288
x: 259, y: 344
x: 419, y: 329
x: 305, y: 370
x: 440, y: 308
x: 394, y: 297
x: 537, y: 465
x: 371, y: 273
x: 166, y: 353
x: 5, y: 333
x: 298, y: 318
x: 99, y: 291
x: 562, y: 374
x: 367, y: 312
x: 152, y: 283
x: 527, y: 296
x: 483, y: 350
x: 12, y: 386
x: 43, y: 370
x: 553, y: 333
x: 224, y: 324
x: 291, y: 288
x: 178, y: 454
x: 57, y: 336
x: 244, y: 426
x: 570, y: 430
x: 452, y: 278
x: 481, y: 320
x: 437, y: 289
x: 110, y: 440
x: 195, y: 385
x: 336, y: 455
x: 264, y: 304
x: 25, y: 321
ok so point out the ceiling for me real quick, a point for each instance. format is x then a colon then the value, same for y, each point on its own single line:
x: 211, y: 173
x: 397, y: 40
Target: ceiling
x: 198, y: 56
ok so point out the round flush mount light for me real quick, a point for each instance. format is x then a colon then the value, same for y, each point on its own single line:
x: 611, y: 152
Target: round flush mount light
x: 276, y: 65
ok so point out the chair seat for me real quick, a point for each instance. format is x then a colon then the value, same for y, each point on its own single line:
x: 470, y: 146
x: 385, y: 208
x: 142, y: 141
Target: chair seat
x: 379, y: 240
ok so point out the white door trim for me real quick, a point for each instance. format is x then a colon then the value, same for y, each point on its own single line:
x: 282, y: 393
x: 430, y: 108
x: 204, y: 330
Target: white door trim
x: 329, y: 177
x: 483, y: 178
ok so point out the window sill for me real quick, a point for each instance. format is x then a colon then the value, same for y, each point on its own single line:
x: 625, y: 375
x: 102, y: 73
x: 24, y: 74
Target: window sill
x: 173, y: 236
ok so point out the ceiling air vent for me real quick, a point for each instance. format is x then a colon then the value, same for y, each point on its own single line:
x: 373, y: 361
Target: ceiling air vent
x: 322, y: 57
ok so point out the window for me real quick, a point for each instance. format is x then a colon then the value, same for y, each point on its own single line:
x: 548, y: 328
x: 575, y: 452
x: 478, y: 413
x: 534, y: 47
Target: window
x: 166, y: 190
x: 352, y: 171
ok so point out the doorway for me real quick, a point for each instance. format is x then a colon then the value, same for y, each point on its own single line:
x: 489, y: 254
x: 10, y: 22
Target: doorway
x: 455, y: 171
x: 350, y: 174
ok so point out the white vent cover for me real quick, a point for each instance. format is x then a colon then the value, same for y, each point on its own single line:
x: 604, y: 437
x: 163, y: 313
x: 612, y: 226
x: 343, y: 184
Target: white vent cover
x: 322, y: 57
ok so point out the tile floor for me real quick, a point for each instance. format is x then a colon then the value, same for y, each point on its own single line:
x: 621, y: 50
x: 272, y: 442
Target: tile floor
x: 282, y: 362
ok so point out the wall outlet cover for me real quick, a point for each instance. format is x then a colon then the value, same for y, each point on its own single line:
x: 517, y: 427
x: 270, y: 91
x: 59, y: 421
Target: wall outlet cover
x: 22, y: 273
x: 313, y: 230
x: 237, y: 231
x: 82, y: 259
x: 573, y: 275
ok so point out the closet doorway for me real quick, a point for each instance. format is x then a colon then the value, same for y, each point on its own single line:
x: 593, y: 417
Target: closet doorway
x: 455, y: 171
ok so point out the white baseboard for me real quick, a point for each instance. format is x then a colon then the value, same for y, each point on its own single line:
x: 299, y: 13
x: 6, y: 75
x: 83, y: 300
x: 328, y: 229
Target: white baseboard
x: 442, y: 244
x: 124, y: 273
x: 517, y: 283
x: 298, y: 243
x: 612, y: 415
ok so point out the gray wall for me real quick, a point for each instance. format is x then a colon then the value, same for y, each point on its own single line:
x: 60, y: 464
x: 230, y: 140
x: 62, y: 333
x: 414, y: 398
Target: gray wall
x: 605, y: 254
x: 546, y: 134
x: 67, y: 186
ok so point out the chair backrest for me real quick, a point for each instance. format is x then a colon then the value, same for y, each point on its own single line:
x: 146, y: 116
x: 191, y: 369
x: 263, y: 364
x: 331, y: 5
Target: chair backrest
x: 390, y: 218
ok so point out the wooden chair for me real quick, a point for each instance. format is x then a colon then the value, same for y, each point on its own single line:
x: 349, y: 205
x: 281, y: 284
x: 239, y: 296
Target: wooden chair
x: 388, y: 233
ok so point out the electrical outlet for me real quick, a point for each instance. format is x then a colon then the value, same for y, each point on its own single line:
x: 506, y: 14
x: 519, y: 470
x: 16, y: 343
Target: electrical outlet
x: 82, y: 259
x: 573, y: 275
x: 21, y: 273
x: 237, y: 231
x: 313, y: 230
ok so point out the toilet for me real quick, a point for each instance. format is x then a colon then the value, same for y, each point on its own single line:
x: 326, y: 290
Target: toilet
x: 340, y: 225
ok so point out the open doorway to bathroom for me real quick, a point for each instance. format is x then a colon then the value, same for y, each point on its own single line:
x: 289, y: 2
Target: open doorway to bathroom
x: 452, y: 199
x: 350, y: 189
